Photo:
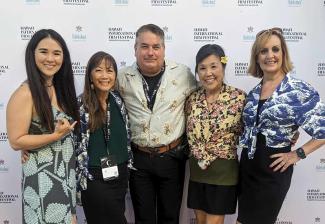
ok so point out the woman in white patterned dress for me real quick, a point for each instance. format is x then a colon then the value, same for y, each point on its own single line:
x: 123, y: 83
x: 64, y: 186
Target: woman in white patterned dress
x: 41, y: 115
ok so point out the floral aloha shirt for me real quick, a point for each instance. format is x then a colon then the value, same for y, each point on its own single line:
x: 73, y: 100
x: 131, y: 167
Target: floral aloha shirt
x: 214, y: 133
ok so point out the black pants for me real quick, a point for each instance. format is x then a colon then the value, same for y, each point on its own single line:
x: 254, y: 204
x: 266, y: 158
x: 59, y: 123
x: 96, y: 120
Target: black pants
x: 104, y: 201
x: 156, y: 188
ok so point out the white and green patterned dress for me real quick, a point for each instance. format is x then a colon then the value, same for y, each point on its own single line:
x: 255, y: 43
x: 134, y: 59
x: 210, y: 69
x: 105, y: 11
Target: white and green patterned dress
x: 49, y: 180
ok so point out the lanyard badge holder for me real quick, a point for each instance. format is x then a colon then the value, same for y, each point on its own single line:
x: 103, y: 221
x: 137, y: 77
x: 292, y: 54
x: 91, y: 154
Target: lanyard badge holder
x: 108, y: 163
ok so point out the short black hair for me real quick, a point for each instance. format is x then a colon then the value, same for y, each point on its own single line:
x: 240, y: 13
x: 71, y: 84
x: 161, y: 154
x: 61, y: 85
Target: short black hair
x: 207, y: 50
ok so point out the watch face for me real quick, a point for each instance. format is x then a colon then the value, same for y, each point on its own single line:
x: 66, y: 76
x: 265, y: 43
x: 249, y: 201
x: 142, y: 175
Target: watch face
x: 301, y: 153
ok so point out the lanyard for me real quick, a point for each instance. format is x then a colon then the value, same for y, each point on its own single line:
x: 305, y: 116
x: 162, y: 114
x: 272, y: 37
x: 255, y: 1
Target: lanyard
x: 150, y: 99
x: 106, y: 129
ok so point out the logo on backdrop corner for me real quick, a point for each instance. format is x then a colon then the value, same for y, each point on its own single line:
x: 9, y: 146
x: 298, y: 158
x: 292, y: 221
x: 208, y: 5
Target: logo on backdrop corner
x: 250, y: 3
x: 294, y: 3
x: 320, y: 69
x: 122, y: 64
x: 203, y: 34
x: 79, y: 34
x: 76, y: 2
x: 26, y: 32
x: 320, y: 167
x: 208, y: 3
x: 163, y: 2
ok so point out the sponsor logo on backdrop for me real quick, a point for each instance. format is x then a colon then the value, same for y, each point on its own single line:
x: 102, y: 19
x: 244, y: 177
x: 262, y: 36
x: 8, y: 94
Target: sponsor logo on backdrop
x: 315, y: 195
x: 32, y: 2
x: 3, y: 69
x: 7, y: 198
x: 163, y: 2
x: 3, y: 137
x: 203, y: 34
x: 168, y: 36
x: 75, y: 2
x: 78, y: 68
x: 317, y: 220
x: 278, y: 221
x: 294, y: 3
x: 320, y: 69
x: 208, y: 3
x: 250, y: 3
x: 26, y: 32
x: 122, y: 64
x: 2, y: 106
x: 241, y: 68
x: 120, y: 34
x: 320, y: 167
x: 120, y: 2
x: 3, y: 167
x: 292, y: 35
x: 249, y: 35
x: 79, y: 34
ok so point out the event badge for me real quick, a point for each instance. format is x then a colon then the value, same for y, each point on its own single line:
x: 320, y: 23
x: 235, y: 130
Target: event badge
x: 109, y: 168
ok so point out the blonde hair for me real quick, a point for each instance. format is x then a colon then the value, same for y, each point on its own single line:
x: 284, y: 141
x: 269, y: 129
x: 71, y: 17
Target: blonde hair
x: 261, y: 38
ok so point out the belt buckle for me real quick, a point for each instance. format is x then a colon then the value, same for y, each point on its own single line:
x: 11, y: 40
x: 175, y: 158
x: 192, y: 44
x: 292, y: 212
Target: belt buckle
x: 154, y: 151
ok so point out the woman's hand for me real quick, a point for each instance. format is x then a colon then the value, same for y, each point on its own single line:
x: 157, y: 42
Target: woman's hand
x: 24, y: 156
x: 284, y: 160
x: 63, y: 127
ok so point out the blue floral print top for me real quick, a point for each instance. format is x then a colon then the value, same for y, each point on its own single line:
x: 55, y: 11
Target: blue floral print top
x: 293, y: 104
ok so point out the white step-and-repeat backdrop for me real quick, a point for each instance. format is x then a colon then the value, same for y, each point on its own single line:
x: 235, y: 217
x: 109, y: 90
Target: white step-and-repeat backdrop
x: 110, y: 25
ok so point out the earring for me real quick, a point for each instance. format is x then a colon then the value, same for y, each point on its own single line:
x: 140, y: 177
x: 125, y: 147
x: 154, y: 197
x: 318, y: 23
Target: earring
x: 92, y: 86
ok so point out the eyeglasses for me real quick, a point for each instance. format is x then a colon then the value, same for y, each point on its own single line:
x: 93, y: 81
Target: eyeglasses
x: 272, y: 30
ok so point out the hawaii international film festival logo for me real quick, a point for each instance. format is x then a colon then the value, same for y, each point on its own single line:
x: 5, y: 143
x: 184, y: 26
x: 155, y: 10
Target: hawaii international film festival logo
x: 163, y: 2
x: 3, y: 69
x: 291, y: 35
x: 75, y: 2
x: 279, y: 221
x: 3, y: 137
x: 203, y: 34
x: 320, y: 167
x: 320, y: 69
x: 78, y: 68
x: 7, y: 198
x: 26, y: 32
x: 120, y: 34
x: 249, y: 35
x: 250, y: 3
x: 315, y: 195
x: 79, y: 34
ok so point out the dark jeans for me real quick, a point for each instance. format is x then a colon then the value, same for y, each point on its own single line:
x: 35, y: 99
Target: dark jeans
x: 156, y: 188
x: 104, y: 201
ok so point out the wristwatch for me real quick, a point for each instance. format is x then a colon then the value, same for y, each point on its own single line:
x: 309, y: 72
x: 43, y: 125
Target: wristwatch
x: 300, y: 153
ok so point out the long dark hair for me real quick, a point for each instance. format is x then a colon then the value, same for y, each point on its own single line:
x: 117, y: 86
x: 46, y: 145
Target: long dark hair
x: 91, y: 103
x: 63, y: 81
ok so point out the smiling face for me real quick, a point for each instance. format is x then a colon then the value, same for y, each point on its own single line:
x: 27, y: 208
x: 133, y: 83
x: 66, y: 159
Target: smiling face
x: 149, y: 52
x: 48, y: 57
x: 211, y: 73
x: 270, y: 57
x: 103, y: 76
